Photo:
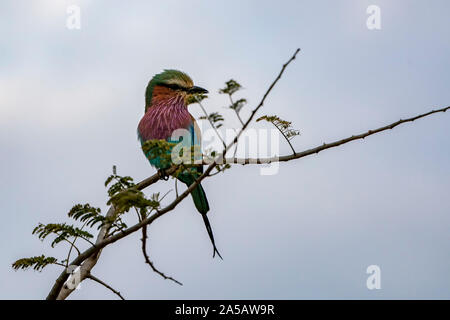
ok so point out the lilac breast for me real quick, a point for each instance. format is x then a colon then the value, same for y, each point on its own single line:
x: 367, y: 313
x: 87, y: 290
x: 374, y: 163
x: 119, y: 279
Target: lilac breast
x: 162, y: 119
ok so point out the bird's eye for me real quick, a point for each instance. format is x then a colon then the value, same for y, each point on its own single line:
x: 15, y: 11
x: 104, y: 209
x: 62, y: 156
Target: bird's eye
x: 173, y: 86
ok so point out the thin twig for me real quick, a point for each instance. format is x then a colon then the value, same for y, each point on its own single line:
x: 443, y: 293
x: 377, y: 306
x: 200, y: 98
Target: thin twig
x: 210, y: 121
x: 176, y: 188
x: 240, y: 120
x: 93, y: 278
x: 147, y: 259
x: 236, y: 148
x: 138, y: 214
x: 214, y: 174
x: 237, y: 113
x: 162, y: 198
x: 60, y: 264
x: 73, y: 246
x: 288, y: 141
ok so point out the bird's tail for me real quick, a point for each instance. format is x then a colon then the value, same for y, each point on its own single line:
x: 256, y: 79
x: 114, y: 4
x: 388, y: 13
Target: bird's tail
x: 199, y: 197
x: 211, y: 236
x: 201, y: 203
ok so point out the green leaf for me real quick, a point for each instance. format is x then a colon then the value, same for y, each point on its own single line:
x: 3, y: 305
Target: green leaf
x: 88, y: 214
x: 215, y: 117
x: 130, y: 198
x: 37, y: 263
x: 238, y: 105
x: 231, y: 86
x: 195, y: 98
x: 222, y: 167
x: 284, y: 126
x: 62, y: 230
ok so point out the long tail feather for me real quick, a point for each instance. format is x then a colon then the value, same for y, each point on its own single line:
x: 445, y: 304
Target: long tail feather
x: 201, y: 203
x: 211, y: 235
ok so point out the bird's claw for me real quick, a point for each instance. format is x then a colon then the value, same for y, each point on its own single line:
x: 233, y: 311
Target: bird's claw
x: 163, y: 175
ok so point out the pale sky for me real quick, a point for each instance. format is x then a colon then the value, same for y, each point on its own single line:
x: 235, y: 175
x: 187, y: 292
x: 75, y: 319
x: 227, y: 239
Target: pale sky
x: 70, y: 101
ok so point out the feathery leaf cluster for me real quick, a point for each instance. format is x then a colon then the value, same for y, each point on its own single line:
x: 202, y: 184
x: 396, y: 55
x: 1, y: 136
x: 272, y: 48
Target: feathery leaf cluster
x: 37, y: 263
x: 87, y: 214
x: 63, y: 232
x: 123, y: 192
x: 194, y: 98
x: 231, y: 86
x: 214, y: 117
x: 238, y: 105
x: 285, y: 127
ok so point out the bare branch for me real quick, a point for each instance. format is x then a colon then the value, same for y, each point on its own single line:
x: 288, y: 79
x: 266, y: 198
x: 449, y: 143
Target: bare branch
x: 93, y: 278
x: 154, y: 178
x: 176, y: 188
x: 147, y: 259
x: 330, y: 145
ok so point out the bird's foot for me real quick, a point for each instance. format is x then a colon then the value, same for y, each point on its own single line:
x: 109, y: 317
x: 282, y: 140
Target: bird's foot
x: 163, y: 175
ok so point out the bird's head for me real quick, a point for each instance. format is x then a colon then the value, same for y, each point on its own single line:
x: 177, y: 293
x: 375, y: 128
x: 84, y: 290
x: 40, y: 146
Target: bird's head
x: 169, y: 84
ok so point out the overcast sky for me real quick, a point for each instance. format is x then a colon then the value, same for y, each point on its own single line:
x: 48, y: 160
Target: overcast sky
x: 70, y: 101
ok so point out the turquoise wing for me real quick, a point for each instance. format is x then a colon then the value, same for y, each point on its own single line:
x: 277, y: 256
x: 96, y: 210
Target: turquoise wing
x: 186, y: 139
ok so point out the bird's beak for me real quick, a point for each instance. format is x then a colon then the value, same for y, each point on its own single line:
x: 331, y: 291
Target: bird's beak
x: 196, y: 89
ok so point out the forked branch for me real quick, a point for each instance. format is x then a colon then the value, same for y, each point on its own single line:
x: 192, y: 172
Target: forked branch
x: 147, y: 259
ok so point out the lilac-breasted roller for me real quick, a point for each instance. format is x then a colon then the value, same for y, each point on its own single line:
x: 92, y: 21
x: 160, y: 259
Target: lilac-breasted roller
x: 166, y: 101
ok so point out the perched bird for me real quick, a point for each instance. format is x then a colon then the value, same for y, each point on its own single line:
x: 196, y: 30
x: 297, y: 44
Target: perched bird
x: 166, y: 99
